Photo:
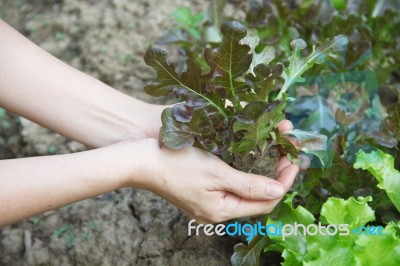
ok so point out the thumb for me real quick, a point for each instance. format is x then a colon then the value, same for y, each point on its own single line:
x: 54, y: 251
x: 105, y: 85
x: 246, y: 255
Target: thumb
x: 251, y: 186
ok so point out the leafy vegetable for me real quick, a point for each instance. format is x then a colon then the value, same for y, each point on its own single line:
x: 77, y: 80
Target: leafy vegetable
x: 298, y: 65
x: 255, y: 132
x: 381, y: 165
x: 380, y: 250
x: 237, y: 84
x: 264, y: 57
x: 345, y: 247
x: 212, y: 115
x: 354, y: 212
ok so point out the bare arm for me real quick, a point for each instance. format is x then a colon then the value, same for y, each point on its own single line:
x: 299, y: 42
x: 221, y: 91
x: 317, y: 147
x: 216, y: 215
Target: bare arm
x: 38, y: 86
x: 30, y: 186
x: 209, y: 191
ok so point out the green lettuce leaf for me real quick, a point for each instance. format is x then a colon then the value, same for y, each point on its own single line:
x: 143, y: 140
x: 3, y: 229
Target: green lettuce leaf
x: 379, y: 250
x: 338, y: 255
x: 287, y: 214
x: 256, y: 129
x: 354, y: 212
x: 381, y: 166
x: 264, y: 57
x: 298, y: 64
x: 353, y: 248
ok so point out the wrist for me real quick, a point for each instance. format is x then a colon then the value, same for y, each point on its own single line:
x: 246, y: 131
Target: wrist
x: 140, y: 159
x: 142, y: 120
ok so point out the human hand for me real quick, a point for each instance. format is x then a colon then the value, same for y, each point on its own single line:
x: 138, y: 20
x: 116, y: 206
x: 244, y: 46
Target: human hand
x: 209, y: 190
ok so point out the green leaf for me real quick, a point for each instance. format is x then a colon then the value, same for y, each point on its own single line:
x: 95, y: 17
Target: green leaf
x: 298, y: 65
x: 291, y: 258
x: 188, y: 20
x: 354, y: 212
x: 339, y: 4
x: 338, y: 255
x: 257, y: 129
x: 379, y: 250
x: 287, y: 214
x: 262, y: 81
x: 183, y: 15
x: 245, y: 255
x: 381, y: 166
x: 264, y: 57
x: 230, y: 59
x: 347, y: 249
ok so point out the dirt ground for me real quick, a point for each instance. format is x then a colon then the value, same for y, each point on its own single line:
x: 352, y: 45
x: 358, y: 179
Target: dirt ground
x: 107, y: 39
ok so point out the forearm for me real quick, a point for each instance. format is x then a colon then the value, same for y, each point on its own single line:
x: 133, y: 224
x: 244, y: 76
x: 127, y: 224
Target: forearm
x: 31, y: 186
x: 42, y: 88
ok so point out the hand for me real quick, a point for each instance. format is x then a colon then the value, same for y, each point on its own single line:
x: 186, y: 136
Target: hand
x: 209, y: 190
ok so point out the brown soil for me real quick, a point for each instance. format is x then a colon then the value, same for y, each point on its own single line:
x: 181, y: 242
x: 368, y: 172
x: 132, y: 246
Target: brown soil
x: 260, y: 163
x: 107, y: 39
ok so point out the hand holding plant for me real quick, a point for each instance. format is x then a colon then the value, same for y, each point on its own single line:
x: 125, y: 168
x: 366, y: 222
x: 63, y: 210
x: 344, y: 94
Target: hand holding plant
x: 233, y: 110
x: 210, y: 190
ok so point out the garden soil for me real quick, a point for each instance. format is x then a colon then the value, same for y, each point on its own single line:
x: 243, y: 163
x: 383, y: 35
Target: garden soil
x: 106, y: 39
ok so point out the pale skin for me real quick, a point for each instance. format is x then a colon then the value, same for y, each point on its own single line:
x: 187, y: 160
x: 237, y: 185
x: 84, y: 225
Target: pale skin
x: 124, y: 132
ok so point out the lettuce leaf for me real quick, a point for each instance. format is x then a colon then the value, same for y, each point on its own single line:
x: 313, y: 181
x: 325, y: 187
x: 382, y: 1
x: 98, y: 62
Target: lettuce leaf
x: 355, y: 248
x: 354, y: 212
x: 381, y: 166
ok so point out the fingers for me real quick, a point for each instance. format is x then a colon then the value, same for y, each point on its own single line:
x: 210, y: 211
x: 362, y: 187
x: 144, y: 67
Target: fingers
x: 304, y: 163
x: 251, y: 186
x: 237, y: 206
x: 285, y: 125
x: 282, y: 164
x: 255, y: 187
x: 287, y: 176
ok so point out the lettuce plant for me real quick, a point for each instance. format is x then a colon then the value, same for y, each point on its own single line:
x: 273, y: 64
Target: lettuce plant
x: 233, y: 110
x: 381, y: 166
x: 360, y: 245
x: 235, y: 88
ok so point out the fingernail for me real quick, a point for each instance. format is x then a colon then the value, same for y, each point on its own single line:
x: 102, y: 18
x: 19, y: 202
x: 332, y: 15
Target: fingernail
x: 275, y: 190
